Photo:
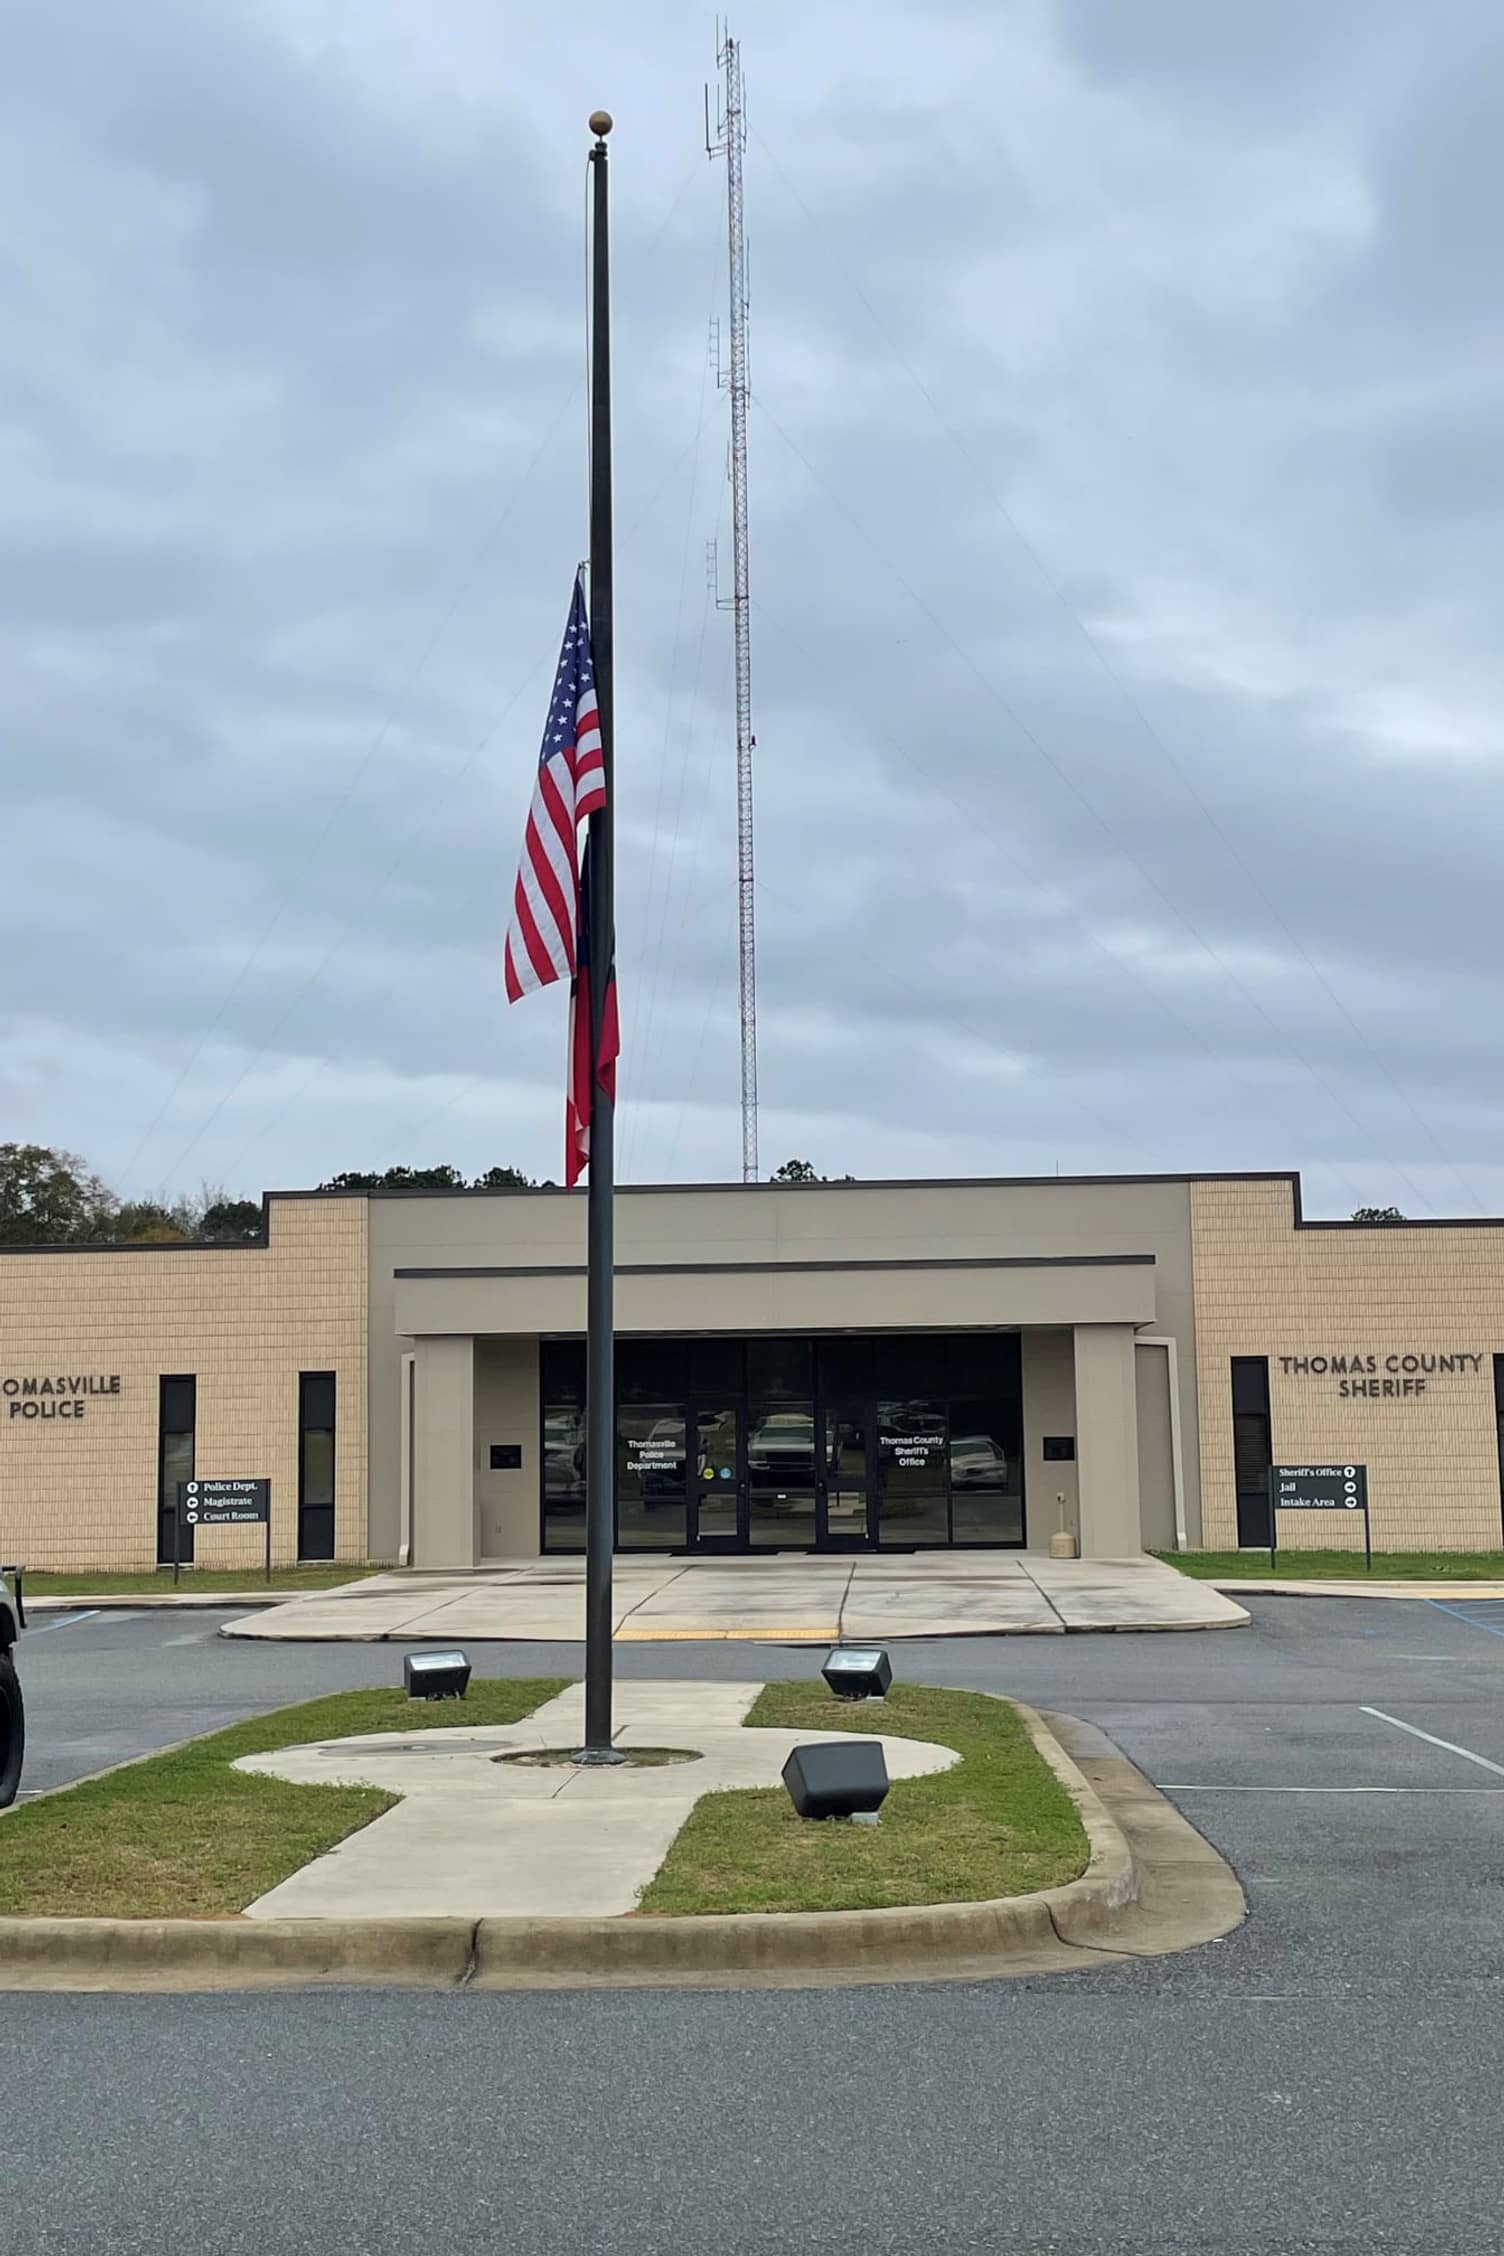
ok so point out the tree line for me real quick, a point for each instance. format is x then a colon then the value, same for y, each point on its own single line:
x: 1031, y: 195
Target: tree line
x: 50, y: 1197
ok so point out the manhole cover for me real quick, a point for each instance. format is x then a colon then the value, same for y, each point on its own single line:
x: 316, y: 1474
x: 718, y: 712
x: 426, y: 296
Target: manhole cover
x: 632, y: 1758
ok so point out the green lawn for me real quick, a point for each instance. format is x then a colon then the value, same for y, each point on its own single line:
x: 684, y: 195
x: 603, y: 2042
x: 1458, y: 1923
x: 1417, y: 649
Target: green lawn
x: 88, y: 1585
x: 1341, y: 1566
x: 998, y: 1824
x: 183, y: 1836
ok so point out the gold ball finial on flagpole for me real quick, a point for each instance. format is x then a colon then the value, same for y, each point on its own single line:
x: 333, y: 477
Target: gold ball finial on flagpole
x: 601, y: 122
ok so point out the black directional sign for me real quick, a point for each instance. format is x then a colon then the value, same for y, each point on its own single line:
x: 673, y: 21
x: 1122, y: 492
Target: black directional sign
x: 227, y: 1503
x: 1318, y: 1488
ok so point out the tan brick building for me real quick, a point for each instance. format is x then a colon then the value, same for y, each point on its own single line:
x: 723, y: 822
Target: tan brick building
x: 1378, y: 1344
x: 124, y: 1368
x: 815, y: 1367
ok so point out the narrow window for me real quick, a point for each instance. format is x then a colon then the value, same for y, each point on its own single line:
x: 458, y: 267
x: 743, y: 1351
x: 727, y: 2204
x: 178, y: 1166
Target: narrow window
x: 177, y: 1411
x: 316, y: 1465
x: 1252, y: 1449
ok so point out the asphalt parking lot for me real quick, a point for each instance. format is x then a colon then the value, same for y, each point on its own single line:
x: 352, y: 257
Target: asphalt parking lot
x: 1328, y: 2077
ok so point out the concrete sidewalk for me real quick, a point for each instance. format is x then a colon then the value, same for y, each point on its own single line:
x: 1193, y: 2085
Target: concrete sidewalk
x: 475, y: 1837
x: 777, y: 1600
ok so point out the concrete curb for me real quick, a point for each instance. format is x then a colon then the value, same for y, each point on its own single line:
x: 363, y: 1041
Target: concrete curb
x: 1361, y: 1587
x: 151, y: 1601
x: 232, y: 1954
x: 1087, y: 1921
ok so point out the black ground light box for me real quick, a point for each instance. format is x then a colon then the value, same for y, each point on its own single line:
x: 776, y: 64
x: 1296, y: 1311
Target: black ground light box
x: 435, y: 1676
x: 837, y: 1778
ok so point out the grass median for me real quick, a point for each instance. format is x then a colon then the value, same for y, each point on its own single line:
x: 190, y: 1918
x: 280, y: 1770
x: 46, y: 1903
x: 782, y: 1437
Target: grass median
x: 1337, y: 1566
x: 195, y: 1580
x: 183, y: 1836
x: 998, y: 1823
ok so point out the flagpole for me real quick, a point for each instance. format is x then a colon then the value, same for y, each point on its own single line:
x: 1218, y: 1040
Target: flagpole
x: 600, y: 1377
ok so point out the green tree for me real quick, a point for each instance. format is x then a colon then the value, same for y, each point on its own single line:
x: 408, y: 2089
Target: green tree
x: 148, y: 1222
x: 795, y: 1171
x: 50, y: 1198
x: 227, y: 1221
x: 443, y: 1178
x: 1378, y: 1214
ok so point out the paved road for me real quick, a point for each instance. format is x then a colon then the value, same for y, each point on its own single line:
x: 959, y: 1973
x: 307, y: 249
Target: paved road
x: 1328, y: 2078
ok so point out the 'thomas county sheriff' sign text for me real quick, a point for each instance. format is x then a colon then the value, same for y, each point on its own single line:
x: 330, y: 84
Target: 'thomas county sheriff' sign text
x: 1392, y: 1377
x: 55, y: 1398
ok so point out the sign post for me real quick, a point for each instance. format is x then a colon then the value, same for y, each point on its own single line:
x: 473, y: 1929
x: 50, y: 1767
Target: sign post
x: 225, y: 1503
x: 1319, y: 1488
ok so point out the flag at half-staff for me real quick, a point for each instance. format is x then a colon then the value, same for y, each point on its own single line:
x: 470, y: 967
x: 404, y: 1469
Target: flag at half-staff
x: 548, y: 937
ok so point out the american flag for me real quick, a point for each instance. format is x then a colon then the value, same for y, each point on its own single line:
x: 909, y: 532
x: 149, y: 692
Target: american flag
x: 546, y: 939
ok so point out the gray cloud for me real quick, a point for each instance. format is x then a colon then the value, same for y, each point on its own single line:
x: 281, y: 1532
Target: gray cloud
x: 1126, y: 562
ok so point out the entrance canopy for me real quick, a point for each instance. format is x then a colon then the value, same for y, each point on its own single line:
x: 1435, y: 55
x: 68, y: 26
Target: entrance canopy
x: 786, y: 1295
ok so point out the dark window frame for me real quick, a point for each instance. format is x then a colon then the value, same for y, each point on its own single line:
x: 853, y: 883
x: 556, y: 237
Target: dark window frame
x: 1004, y: 1393
x: 316, y: 1537
x: 1249, y: 1397
x: 185, y: 1536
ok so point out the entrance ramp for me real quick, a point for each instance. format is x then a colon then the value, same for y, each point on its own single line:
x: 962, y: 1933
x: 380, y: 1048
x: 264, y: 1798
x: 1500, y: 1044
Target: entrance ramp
x: 774, y: 1600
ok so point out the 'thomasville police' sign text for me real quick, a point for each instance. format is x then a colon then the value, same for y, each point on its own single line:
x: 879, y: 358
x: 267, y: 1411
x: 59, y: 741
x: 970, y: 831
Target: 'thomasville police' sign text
x: 66, y: 1397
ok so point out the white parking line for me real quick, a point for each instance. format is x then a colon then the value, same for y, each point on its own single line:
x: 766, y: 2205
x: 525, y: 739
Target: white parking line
x: 1168, y: 1789
x: 64, y: 1621
x: 1432, y: 1741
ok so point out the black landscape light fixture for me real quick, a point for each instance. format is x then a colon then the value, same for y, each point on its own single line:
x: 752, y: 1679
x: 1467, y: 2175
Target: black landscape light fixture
x: 858, y: 1672
x: 435, y: 1676
x: 837, y: 1778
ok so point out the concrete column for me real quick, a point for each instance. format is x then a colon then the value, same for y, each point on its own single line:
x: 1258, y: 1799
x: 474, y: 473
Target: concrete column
x: 1049, y: 1373
x: 508, y: 1499
x: 1107, y: 1441
x: 444, y: 1452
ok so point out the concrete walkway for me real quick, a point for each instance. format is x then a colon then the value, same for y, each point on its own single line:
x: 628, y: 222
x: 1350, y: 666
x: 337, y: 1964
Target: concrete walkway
x: 779, y: 1600
x: 475, y: 1838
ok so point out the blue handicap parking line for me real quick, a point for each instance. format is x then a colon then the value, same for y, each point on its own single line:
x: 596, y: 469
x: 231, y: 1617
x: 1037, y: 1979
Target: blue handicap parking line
x: 1483, y: 1613
x: 60, y: 1621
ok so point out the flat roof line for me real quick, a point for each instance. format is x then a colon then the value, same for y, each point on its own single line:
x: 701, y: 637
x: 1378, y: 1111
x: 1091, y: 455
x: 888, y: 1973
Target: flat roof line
x: 801, y: 1268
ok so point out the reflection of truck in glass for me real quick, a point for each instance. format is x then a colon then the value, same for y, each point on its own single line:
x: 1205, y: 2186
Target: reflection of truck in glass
x: 782, y: 1442
x: 976, y: 1461
x: 564, y: 1458
x: 12, y: 1709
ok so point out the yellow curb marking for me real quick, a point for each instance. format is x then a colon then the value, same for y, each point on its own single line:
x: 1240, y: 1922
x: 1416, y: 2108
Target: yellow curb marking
x: 814, y: 1631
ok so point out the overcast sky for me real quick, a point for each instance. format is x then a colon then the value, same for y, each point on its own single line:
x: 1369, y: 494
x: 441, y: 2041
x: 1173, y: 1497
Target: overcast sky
x: 1127, y: 562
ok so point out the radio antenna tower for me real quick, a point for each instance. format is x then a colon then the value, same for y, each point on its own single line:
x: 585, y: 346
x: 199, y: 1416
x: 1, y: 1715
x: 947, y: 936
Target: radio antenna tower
x: 730, y: 141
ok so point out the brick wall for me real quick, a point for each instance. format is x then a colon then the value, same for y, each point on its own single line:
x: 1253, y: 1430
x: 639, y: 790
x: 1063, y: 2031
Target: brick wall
x: 80, y: 1491
x: 1264, y: 1287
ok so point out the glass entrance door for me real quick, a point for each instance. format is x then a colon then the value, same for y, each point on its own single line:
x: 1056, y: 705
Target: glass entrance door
x: 781, y: 1486
x: 717, y: 1500
x: 846, y: 1486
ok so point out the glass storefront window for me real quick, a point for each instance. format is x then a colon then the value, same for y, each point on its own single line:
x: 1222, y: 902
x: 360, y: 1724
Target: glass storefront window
x: 986, y: 1474
x: 777, y: 1443
x: 564, y: 1476
x: 779, y: 1369
x: 912, y: 1505
x: 650, y: 1462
